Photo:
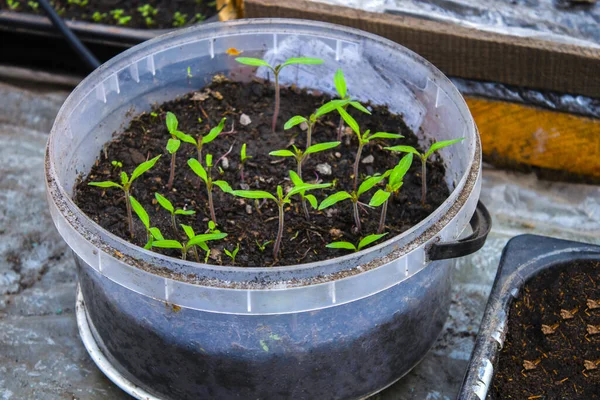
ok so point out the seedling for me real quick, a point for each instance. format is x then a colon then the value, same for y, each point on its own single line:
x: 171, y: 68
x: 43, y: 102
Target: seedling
x: 205, y: 175
x: 280, y: 199
x: 148, y: 13
x: 194, y: 240
x: 312, y: 119
x: 33, y: 5
x: 116, y: 164
x: 202, y: 140
x: 80, y: 3
x: 341, y: 87
x: 152, y: 234
x: 243, y: 158
x: 263, y: 246
x: 300, y: 155
x: 424, y: 156
x: 257, y: 62
x: 353, y: 196
x: 119, y: 16
x: 13, y: 5
x: 232, y: 254
x: 167, y: 205
x: 125, y: 186
x: 363, y: 139
x: 199, y: 17
x: 395, y: 182
x: 361, y: 244
x: 98, y: 16
x: 179, y: 19
x: 173, y: 144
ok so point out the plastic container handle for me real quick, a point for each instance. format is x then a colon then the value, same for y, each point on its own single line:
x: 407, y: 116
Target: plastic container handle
x: 481, y: 223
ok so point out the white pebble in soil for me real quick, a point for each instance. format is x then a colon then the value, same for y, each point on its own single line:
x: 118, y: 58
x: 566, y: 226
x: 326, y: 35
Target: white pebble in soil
x: 368, y: 159
x: 324, y: 169
x: 245, y: 120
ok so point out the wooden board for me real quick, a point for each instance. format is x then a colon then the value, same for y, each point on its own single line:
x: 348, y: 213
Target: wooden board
x: 459, y: 51
x: 516, y: 134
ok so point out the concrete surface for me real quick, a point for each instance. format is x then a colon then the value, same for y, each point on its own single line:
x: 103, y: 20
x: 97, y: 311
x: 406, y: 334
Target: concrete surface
x: 41, y: 356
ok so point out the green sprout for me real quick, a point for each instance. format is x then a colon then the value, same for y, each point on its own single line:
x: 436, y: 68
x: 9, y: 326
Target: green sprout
x: 312, y: 119
x: 340, y: 86
x: 354, y: 196
x: 243, y: 158
x: 179, y: 19
x: 125, y: 186
x: 300, y: 155
x: 395, y: 182
x: 193, y: 240
x: 280, y: 200
x: 167, y: 205
x: 13, y: 5
x: 119, y: 16
x: 80, y: 3
x: 232, y: 254
x: 361, y: 244
x: 148, y: 13
x: 263, y: 246
x: 205, y: 175
x: 199, y: 17
x: 257, y: 62
x: 424, y: 156
x: 33, y: 5
x: 202, y: 140
x: 152, y: 233
x: 98, y: 16
x: 116, y: 164
x: 189, y: 72
x: 173, y: 144
x: 363, y: 139
x: 297, y: 181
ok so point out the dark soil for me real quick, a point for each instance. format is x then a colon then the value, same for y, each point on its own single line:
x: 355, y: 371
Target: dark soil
x: 246, y: 221
x: 564, y: 361
x: 193, y: 11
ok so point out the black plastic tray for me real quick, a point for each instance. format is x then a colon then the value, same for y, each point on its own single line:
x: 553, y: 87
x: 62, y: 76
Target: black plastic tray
x: 523, y: 257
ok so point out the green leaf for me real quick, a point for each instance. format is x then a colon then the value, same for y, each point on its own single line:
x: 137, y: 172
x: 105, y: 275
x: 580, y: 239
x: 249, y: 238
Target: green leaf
x: 156, y: 234
x: 140, y: 212
x: 105, y: 184
x: 316, y: 148
x: 379, y: 198
x: 196, y: 240
x: 184, y: 138
x: 204, y: 247
x: 334, y: 198
x: 341, y: 245
x: 255, y: 62
x: 370, y: 239
x: 279, y: 192
x: 359, y: 107
x: 224, y: 186
x: 172, y: 122
x: 296, y: 120
x: 385, y: 135
x: 296, y: 180
x: 189, y: 231
x: 173, y: 145
x: 124, y: 178
x: 164, y: 202
x: 282, y: 153
x: 369, y: 183
x: 253, y: 194
x: 214, y: 132
x: 236, y: 250
x: 305, y: 187
x: 312, y: 200
x: 198, y: 169
x: 228, y: 253
x: 404, y: 149
x: 209, y: 160
x: 400, y: 170
x: 351, y: 122
x: 440, y: 145
x: 143, y: 167
x: 243, y: 156
x: 302, y: 60
x: 185, y: 212
x: 211, y: 225
x: 330, y: 106
x: 340, y: 83
x: 167, y: 244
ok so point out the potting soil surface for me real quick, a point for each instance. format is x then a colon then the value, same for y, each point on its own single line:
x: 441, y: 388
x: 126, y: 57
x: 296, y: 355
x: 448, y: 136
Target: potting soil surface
x: 41, y: 355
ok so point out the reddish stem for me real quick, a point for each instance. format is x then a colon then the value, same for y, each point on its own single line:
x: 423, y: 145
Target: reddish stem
x: 356, y: 161
x: 276, y: 111
x: 423, y: 181
x: 279, y: 232
x: 129, y: 215
x: 172, y: 174
x: 382, y: 218
x: 356, y: 216
x: 210, y: 204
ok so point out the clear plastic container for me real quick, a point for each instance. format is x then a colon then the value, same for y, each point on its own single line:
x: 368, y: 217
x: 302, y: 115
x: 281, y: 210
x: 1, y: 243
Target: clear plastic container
x: 341, y: 328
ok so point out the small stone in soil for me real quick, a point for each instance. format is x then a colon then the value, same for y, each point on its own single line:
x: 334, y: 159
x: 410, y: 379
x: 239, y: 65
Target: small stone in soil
x: 368, y: 159
x: 248, y: 209
x: 245, y: 120
x: 324, y: 169
x: 244, y: 186
x: 336, y: 233
x: 303, y: 126
x: 225, y: 163
x: 338, y: 154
